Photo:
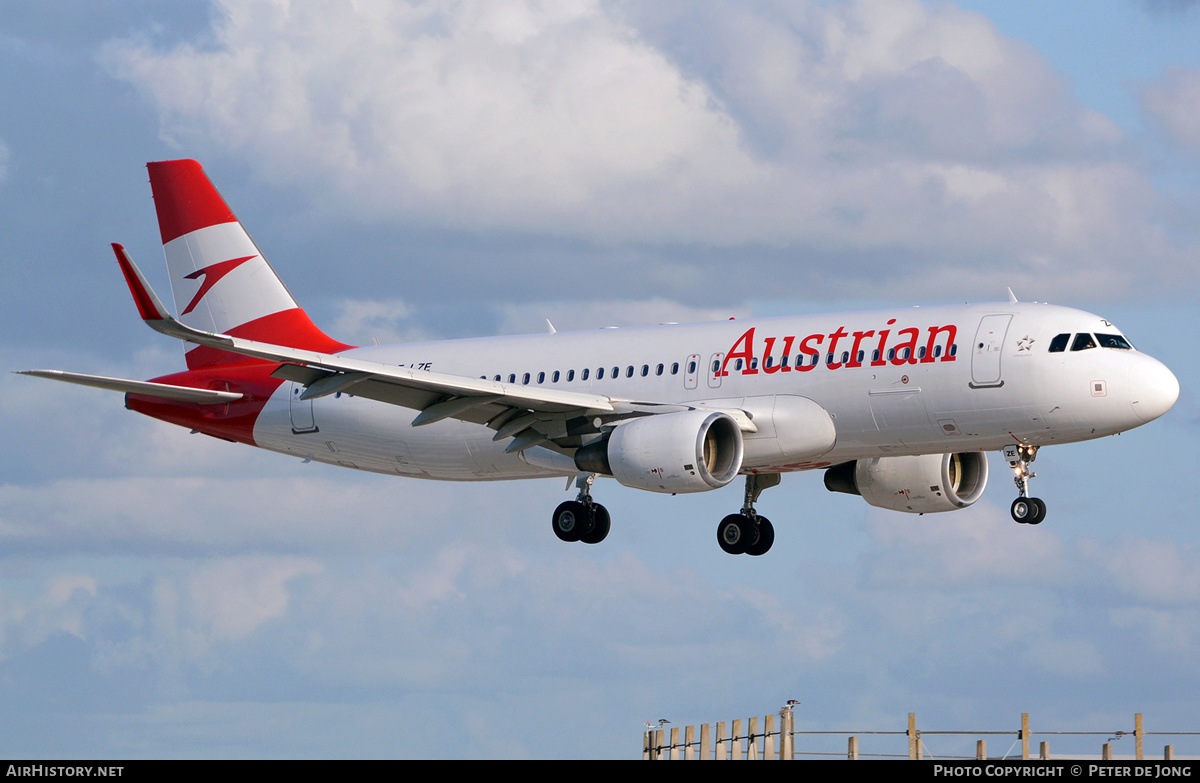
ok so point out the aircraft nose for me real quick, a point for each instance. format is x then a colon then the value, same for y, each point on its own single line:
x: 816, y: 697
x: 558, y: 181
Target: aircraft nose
x: 1156, y: 391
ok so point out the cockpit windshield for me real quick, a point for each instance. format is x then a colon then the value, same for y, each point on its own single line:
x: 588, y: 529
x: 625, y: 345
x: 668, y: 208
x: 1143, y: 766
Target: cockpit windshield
x: 1083, y: 341
x: 1114, y: 341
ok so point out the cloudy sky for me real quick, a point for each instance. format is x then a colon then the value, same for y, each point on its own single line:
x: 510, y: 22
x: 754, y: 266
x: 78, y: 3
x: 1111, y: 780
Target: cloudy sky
x: 450, y: 169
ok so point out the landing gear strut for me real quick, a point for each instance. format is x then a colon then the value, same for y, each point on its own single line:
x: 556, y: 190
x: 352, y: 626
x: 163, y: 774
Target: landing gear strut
x: 748, y: 533
x: 1025, y: 510
x: 582, y: 519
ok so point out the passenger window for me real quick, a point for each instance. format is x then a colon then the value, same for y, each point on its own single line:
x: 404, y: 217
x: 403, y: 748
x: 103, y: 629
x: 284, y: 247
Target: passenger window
x: 754, y: 363
x: 600, y: 374
x: 629, y: 371
x: 584, y: 376
x: 570, y: 375
x: 1083, y: 341
x: 512, y: 377
x: 645, y: 370
x: 554, y: 377
x: 541, y: 377
x: 1059, y: 343
x: 1114, y: 341
x: 675, y: 368
x: 658, y: 370
x: 525, y: 379
x: 691, y: 367
x: 616, y: 373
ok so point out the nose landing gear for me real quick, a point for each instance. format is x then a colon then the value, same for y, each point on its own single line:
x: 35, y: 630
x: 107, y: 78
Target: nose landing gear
x: 1025, y: 510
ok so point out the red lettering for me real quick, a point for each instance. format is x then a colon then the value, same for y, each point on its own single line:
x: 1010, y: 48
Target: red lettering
x: 951, y: 333
x: 747, y: 353
x: 909, y: 358
x: 787, y: 353
x: 858, y: 338
x: 833, y: 341
x: 767, y: 365
x: 807, y: 349
x: 880, y: 355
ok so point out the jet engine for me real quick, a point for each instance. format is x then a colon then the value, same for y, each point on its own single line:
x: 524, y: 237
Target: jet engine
x: 917, y: 485
x: 689, y: 451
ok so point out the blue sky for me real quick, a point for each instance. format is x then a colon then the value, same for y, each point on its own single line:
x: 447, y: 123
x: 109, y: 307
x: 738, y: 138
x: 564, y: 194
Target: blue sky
x: 454, y: 169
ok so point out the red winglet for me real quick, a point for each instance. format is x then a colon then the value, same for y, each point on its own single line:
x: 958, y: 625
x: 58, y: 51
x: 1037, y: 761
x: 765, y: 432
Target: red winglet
x: 185, y: 199
x: 147, y: 303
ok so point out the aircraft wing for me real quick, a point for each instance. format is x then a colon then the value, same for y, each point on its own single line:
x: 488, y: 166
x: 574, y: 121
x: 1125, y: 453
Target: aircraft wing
x: 533, y: 415
x: 145, y: 388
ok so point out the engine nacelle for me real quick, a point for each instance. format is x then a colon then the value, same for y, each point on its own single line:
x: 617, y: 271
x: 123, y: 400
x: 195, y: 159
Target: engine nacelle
x: 916, y: 485
x: 690, y: 451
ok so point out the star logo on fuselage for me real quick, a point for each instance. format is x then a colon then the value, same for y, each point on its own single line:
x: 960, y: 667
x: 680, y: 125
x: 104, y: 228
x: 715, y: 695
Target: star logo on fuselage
x: 212, y: 274
x: 1025, y: 343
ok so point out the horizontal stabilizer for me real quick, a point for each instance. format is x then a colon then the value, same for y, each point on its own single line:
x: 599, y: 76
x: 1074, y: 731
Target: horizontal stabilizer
x: 145, y: 388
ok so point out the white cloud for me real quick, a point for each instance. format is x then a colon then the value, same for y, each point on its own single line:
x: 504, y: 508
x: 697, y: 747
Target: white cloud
x: 363, y: 322
x: 861, y: 126
x: 231, y: 597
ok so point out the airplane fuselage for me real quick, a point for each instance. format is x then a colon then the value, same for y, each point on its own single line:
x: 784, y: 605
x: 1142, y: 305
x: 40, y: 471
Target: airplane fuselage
x: 895, y: 382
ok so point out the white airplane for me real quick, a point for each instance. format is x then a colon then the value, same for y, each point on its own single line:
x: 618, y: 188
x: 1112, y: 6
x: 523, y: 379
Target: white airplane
x: 898, y: 406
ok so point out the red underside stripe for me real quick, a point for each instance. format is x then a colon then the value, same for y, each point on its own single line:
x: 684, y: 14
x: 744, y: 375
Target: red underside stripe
x: 234, y: 421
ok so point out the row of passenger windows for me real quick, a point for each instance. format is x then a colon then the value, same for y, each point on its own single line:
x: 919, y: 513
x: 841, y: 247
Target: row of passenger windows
x: 736, y: 366
x: 586, y: 373
x: 1083, y: 341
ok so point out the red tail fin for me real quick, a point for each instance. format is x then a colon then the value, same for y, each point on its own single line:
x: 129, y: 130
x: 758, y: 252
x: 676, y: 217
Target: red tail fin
x: 219, y: 279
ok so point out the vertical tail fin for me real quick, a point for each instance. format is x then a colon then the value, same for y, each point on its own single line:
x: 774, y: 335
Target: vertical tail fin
x: 219, y: 279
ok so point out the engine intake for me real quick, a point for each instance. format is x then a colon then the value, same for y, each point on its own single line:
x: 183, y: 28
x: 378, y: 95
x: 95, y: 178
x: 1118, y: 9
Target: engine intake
x: 690, y: 451
x: 916, y: 485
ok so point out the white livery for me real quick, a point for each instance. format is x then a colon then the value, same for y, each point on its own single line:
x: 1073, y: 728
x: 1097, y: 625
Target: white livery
x: 898, y: 406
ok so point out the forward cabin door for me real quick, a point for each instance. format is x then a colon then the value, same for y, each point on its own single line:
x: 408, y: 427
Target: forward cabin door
x: 987, y: 350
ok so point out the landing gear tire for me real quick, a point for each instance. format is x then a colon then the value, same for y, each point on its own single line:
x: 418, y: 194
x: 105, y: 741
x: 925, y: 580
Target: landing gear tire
x: 734, y: 534
x: 1028, y: 511
x: 1040, y: 511
x: 571, y: 521
x: 600, y: 526
x: 766, y: 537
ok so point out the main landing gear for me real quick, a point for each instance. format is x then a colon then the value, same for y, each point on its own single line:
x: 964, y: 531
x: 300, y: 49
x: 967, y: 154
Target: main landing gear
x: 1025, y: 510
x: 748, y: 533
x: 582, y: 519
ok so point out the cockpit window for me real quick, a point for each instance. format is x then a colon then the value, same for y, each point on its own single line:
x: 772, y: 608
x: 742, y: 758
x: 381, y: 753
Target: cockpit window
x: 1059, y: 343
x: 1083, y: 341
x: 1114, y: 341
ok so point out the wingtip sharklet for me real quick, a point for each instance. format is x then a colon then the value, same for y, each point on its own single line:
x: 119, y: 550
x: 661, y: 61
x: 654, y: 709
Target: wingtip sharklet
x: 150, y: 308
